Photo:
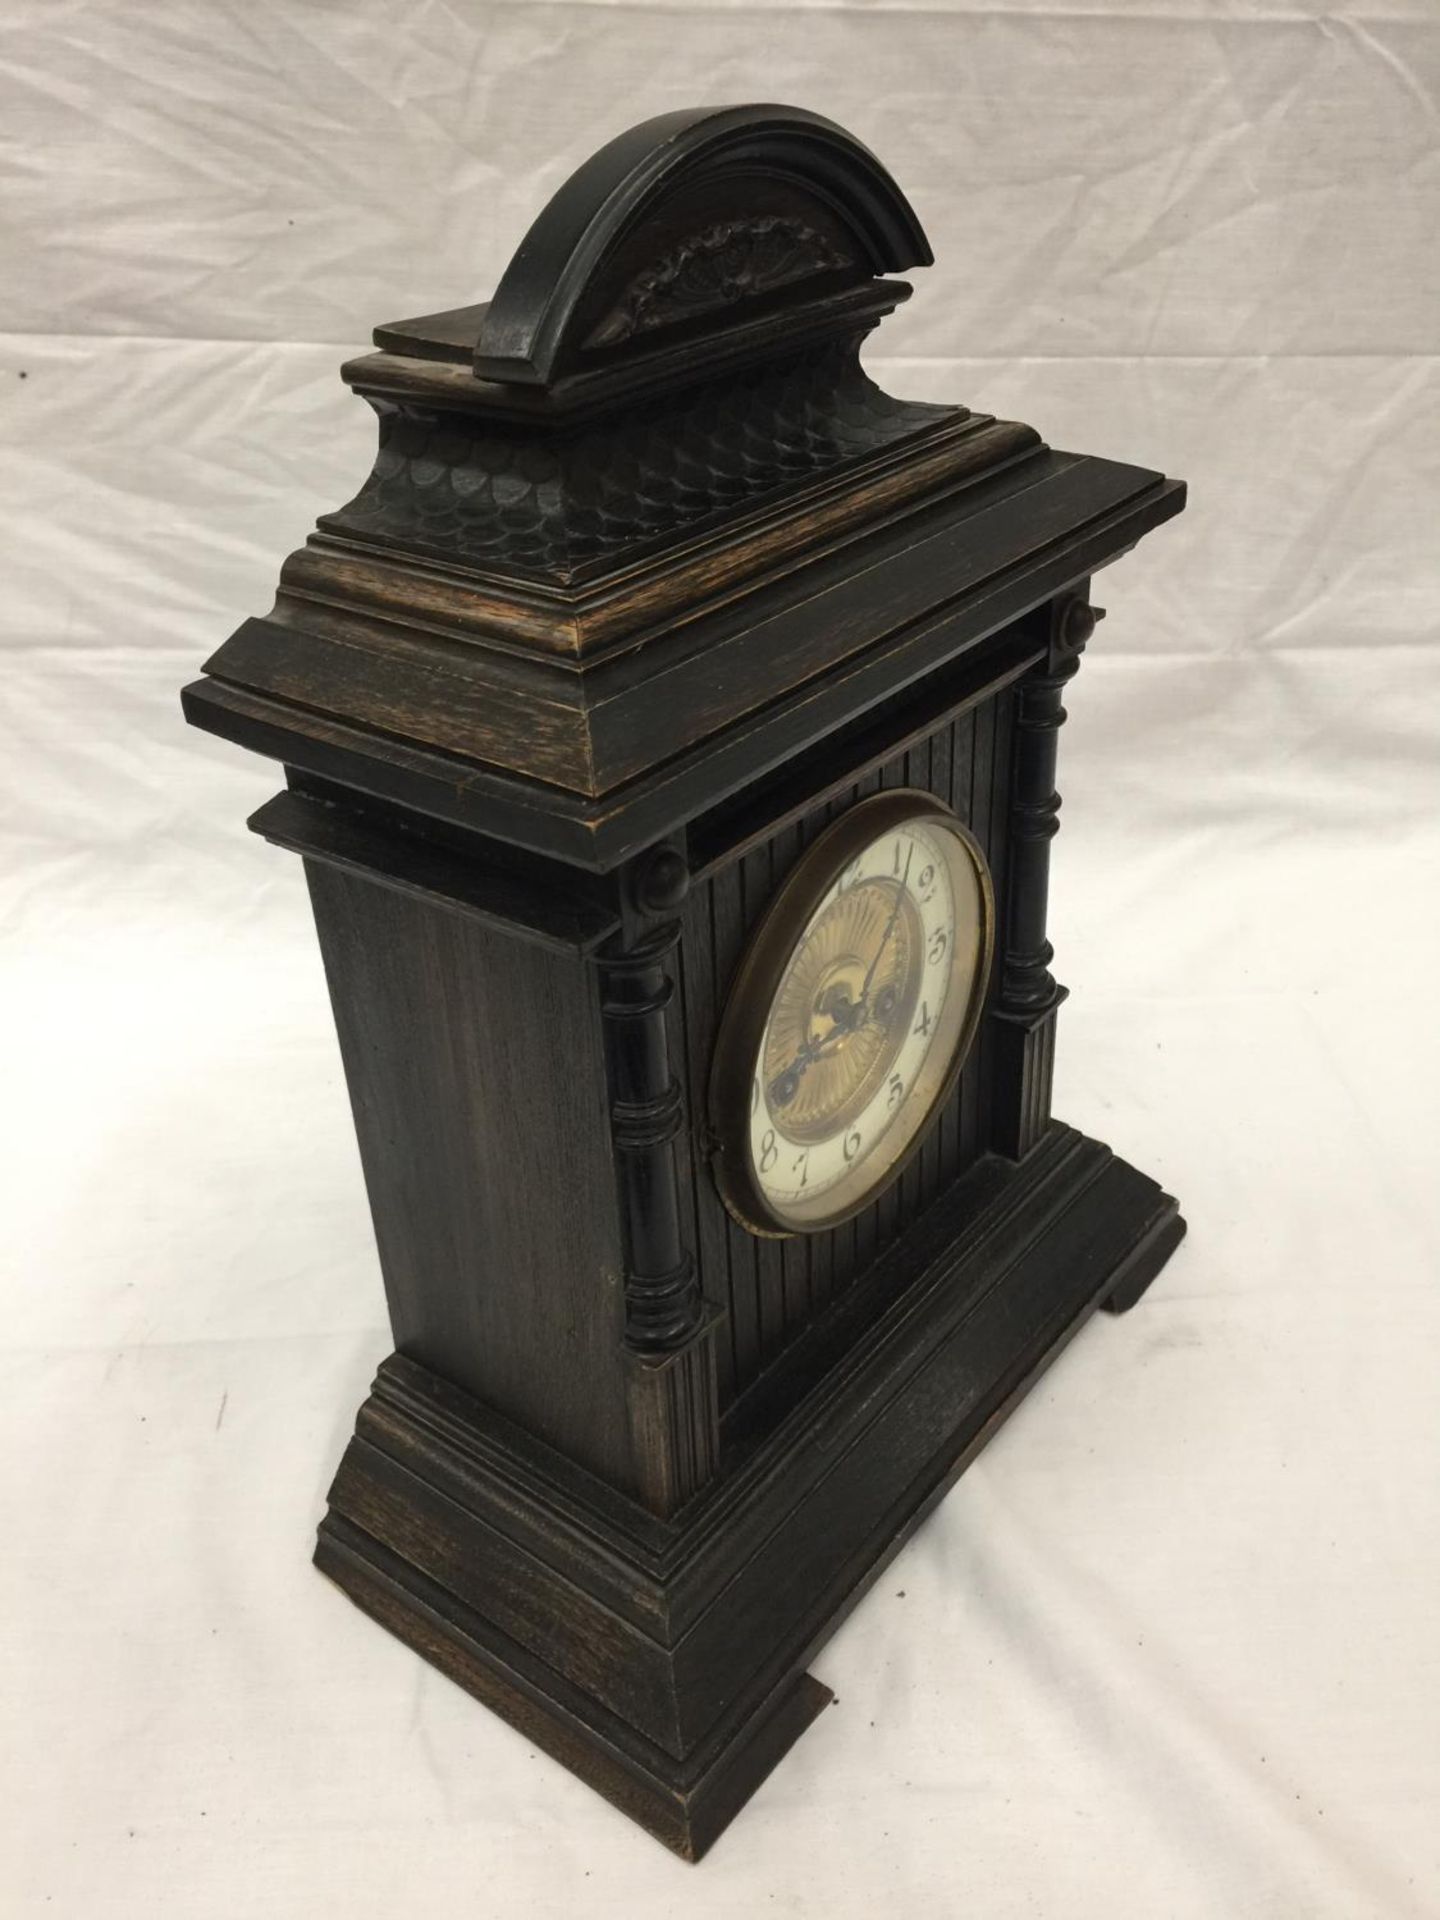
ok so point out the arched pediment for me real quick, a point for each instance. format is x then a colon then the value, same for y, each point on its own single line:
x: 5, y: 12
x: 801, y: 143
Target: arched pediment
x: 690, y: 224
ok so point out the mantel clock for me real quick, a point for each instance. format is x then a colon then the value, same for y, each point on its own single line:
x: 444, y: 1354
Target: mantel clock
x: 669, y: 730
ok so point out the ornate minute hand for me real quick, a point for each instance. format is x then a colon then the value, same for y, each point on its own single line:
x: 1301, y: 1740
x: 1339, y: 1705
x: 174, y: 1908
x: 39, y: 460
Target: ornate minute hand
x: 812, y: 1049
x: 884, y: 939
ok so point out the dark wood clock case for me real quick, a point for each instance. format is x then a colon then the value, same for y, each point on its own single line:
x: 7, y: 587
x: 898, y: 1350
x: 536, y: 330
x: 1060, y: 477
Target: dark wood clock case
x: 649, y: 583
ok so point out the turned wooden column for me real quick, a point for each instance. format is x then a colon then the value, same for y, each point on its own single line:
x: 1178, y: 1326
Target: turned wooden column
x: 1030, y: 996
x: 672, y: 1398
x: 647, y: 1113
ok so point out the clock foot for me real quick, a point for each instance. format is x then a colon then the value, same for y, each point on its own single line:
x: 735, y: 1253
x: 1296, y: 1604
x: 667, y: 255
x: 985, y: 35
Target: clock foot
x: 1143, y: 1265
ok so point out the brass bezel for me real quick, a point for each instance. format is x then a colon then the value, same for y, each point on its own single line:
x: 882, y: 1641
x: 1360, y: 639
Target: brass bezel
x: 756, y: 981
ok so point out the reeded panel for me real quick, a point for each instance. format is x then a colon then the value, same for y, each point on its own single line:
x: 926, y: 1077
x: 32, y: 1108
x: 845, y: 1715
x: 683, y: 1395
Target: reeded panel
x: 775, y: 1287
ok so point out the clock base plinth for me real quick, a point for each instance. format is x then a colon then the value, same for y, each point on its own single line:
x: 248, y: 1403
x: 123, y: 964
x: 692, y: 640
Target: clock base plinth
x: 685, y: 1804
x: 664, y: 1661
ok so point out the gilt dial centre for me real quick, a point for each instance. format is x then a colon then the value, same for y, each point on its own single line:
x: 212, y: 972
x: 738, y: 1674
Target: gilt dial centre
x: 869, y: 1010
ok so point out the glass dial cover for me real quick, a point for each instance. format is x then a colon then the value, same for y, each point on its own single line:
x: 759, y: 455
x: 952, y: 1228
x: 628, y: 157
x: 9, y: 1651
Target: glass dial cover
x: 851, y: 1013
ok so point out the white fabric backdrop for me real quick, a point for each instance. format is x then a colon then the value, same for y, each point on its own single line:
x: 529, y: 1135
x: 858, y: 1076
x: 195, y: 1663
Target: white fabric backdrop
x: 1169, y: 1649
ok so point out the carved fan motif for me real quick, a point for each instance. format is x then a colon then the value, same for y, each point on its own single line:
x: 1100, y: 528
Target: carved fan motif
x: 730, y: 261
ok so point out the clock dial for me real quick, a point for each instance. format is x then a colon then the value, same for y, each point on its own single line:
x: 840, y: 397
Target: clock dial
x: 852, y: 1012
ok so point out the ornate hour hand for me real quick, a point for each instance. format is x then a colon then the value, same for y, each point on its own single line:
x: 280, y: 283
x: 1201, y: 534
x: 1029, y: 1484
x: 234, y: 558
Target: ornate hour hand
x: 786, y: 1083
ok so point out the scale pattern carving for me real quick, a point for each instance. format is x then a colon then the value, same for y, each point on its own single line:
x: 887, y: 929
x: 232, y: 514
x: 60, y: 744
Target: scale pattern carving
x: 516, y: 503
